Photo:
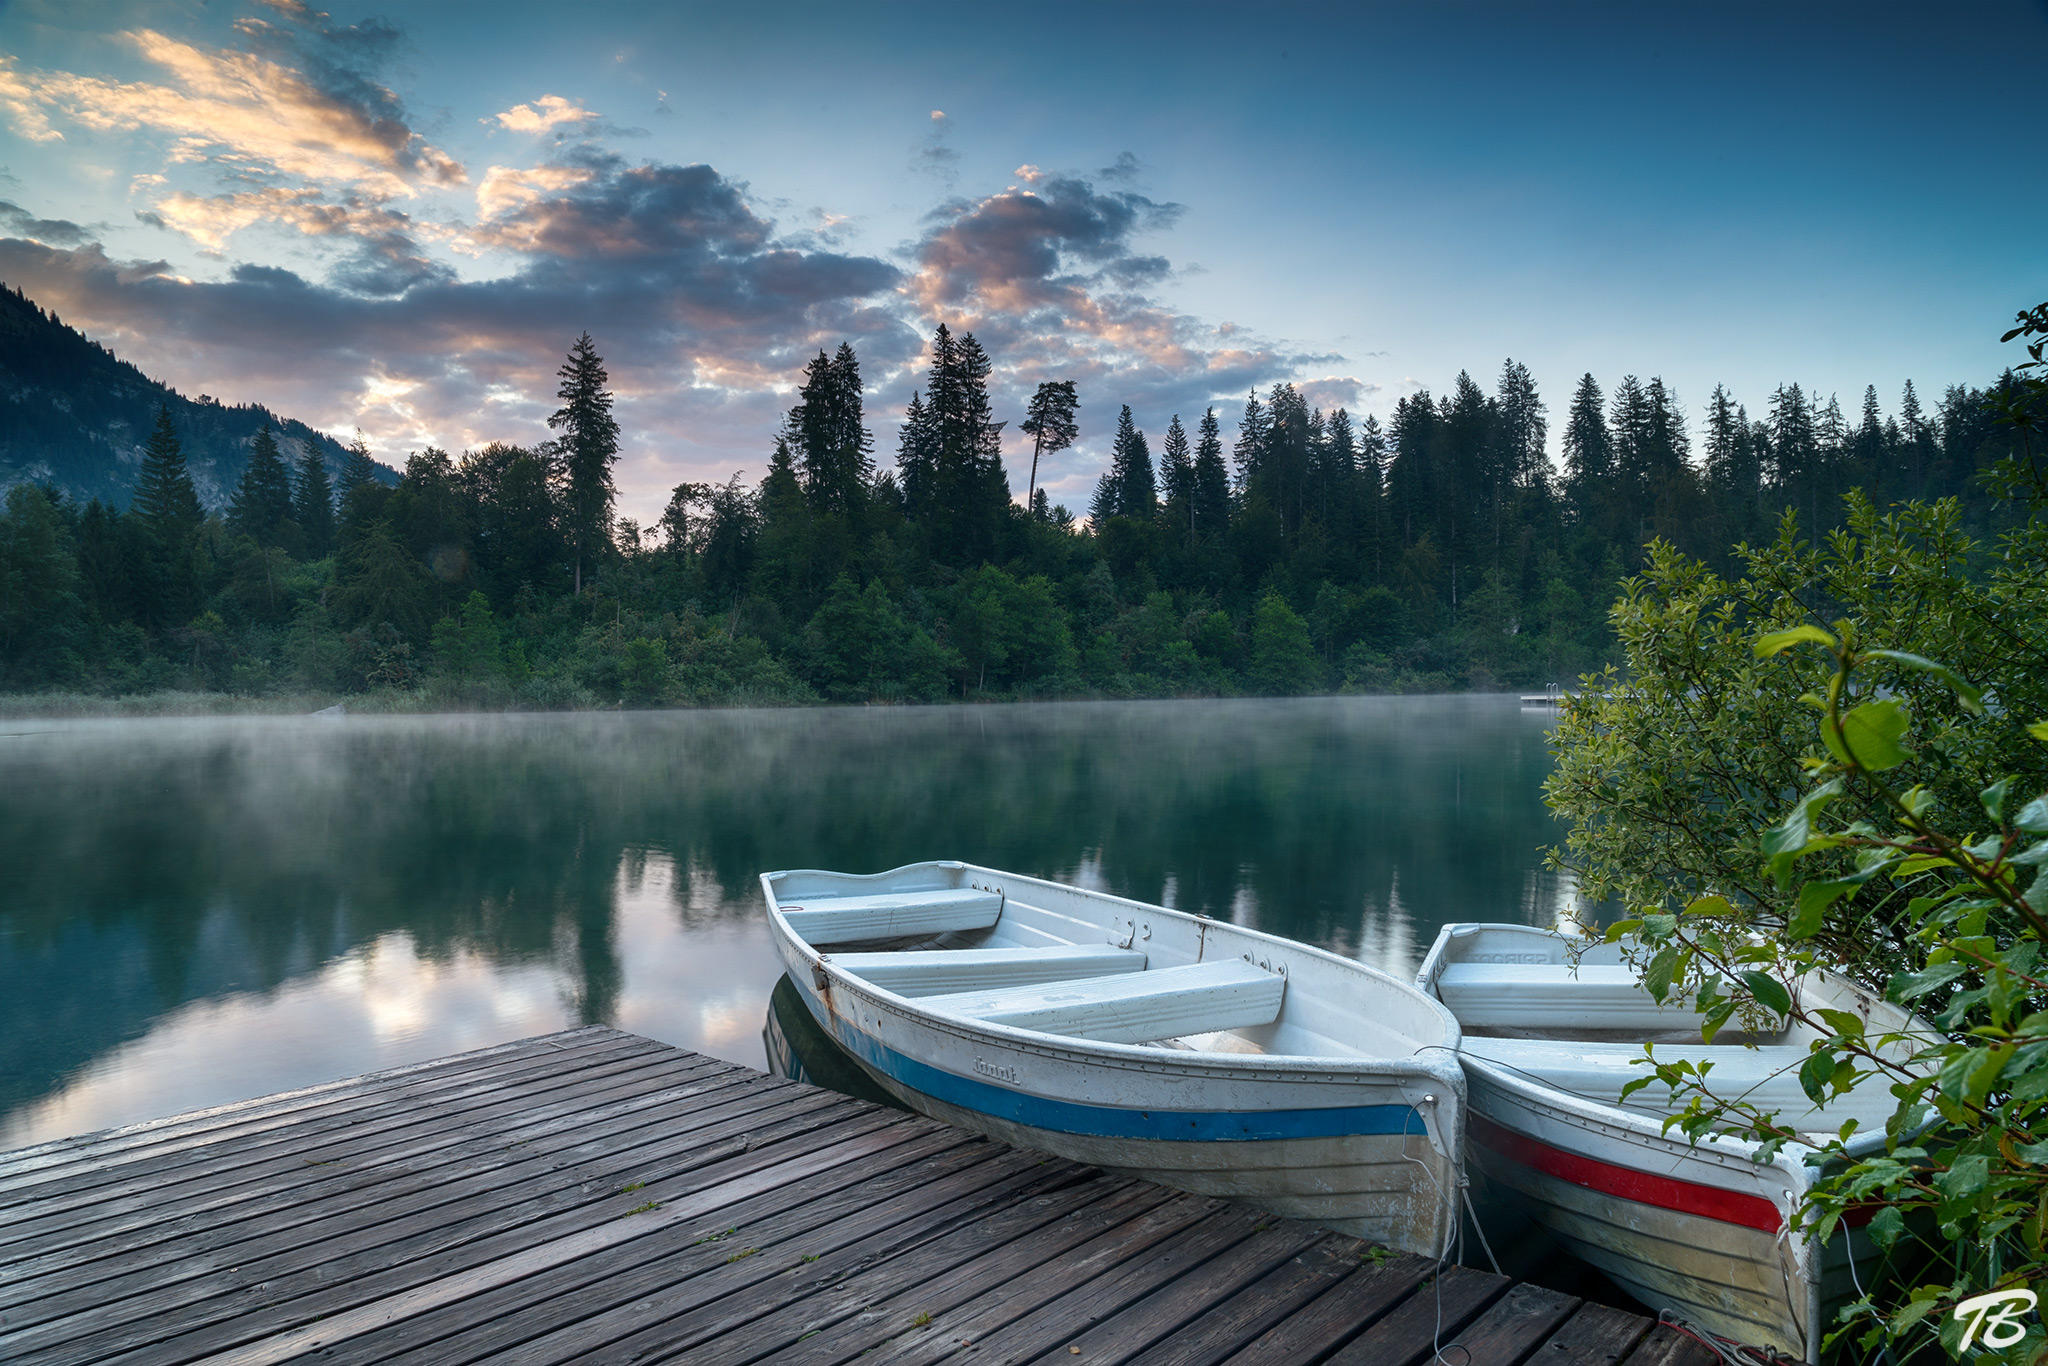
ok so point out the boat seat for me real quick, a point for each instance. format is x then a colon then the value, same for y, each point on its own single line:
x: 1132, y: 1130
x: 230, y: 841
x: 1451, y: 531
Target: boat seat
x: 1544, y: 996
x: 1135, y: 1007
x: 930, y: 972
x: 892, y: 915
x: 1766, y: 1077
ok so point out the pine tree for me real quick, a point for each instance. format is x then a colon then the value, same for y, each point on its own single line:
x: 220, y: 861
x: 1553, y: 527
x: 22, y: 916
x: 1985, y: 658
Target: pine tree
x: 1130, y: 463
x: 1411, y: 483
x: 917, y: 459
x: 1372, y: 494
x: 1522, y: 428
x: 829, y: 440
x: 313, y: 501
x: 164, y: 498
x: 969, y: 495
x: 1870, y: 453
x: 1335, y: 479
x: 1252, y: 434
x: 1795, y: 457
x: 1049, y: 422
x: 1177, y: 474
x: 1588, y: 451
x: 1282, y: 473
x: 589, y: 447
x: 1210, y: 511
x: 1106, y: 500
x: 262, y: 504
x: 357, y: 469
x: 1916, y: 456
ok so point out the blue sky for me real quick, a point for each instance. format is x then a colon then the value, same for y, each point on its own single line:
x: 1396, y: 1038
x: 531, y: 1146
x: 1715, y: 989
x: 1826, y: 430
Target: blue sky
x: 397, y: 220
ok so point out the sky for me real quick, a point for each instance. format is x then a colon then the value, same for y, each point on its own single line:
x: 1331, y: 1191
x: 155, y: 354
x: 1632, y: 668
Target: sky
x: 398, y: 220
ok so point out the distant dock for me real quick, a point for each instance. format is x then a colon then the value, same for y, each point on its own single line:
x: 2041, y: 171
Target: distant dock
x: 593, y: 1195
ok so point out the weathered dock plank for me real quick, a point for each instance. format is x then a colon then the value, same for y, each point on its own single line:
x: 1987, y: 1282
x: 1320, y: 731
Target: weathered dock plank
x: 591, y: 1195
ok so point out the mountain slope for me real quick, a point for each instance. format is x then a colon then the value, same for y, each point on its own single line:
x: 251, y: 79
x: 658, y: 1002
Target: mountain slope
x: 75, y: 416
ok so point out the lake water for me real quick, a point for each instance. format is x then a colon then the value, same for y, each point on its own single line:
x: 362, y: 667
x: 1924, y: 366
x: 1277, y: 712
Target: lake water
x: 193, y: 912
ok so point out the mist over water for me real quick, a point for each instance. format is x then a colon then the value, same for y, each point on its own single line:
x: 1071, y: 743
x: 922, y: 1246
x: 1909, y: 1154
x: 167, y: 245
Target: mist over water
x: 198, y: 911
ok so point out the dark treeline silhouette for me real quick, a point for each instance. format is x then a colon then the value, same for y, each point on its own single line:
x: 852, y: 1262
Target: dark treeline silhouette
x: 1319, y: 552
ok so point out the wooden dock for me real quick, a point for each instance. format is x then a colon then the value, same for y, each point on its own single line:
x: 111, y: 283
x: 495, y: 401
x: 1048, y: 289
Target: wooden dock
x: 595, y: 1196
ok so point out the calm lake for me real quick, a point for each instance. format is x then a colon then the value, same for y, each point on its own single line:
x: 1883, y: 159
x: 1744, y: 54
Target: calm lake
x: 193, y: 912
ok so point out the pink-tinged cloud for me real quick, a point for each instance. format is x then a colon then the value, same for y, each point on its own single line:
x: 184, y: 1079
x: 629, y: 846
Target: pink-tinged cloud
x: 240, y: 106
x: 547, y: 112
x: 18, y: 100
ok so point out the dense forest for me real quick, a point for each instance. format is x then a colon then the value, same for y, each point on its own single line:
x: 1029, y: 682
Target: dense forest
x: 75, y: 416
x: 1303, y: 551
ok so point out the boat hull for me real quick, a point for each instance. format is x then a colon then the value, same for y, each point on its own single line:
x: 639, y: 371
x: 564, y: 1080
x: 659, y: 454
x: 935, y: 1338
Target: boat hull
x: 1368, y: 1142
x: 1358, y: 1159
x: 1701, y: 1230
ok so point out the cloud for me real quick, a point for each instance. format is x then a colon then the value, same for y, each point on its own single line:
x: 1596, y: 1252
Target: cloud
x: 55, y: 232
x: 1052, y: 281
x: 22, y: 107
x: 704, y: 306
x: 1125, y: 168
x: 703, y: 310
x: 1336, y: 391
x: 549, y: 111
x: 297, y: 101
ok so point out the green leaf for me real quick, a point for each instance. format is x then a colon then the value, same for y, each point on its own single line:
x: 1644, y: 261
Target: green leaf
x: 1782, y: 640
x: 1992, y: 798
x: 2039, y: 730
x: 1657, y: 977
x: 2033, y: 817
x: 1790, y: 838
x: 1814, y: 1074
x: 1971, y: 698
x: 1845, y: 1025
x: 1769, y: 992
x: 1717, y: 1016
x: 1814, y: 900
x: 1888, y: 1226
x: 1870, y: 735
x: 1967, y: 1177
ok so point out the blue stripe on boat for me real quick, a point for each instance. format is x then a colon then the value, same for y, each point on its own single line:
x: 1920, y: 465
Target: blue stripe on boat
x: 1109, y: 1121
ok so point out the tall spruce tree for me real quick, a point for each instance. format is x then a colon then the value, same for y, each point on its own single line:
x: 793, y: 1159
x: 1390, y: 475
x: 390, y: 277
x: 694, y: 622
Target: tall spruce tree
x: 1049, y: 422
x: 1210, y: 512
x: 1177, y: 475
x: 1130, y: 463
x: 969, y: 496
x: 1522, y: 429
x: 165, y: 500
x: 1253, y: 431
x: 828, y: 436
x: 357, y: 469
x: 1372, y: 495
x: 313, y: 501
x: 262, y: 503
x: 588, y: 448
x: 917, y: 459
x: 1588, y: 452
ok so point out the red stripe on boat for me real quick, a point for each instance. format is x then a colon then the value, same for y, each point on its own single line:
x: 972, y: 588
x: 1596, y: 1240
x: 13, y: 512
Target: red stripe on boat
x: 1626, y: 1183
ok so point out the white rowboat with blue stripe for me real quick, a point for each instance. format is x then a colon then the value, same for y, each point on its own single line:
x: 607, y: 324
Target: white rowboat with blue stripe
x: 1173, y: 1047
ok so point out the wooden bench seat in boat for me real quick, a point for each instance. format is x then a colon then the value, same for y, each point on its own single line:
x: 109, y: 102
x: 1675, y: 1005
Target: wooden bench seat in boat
x: 930, y: 972
x: 1540, y: 996
x: 892, y: 915
x: 1766, y: 1077
x: 1135, y: 1007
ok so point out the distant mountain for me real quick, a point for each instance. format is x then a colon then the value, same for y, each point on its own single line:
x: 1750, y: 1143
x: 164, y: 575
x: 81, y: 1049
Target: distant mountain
x: 75, y: 416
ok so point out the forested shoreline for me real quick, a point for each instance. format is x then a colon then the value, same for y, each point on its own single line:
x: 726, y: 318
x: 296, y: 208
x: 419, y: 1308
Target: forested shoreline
x: 1302, y: 552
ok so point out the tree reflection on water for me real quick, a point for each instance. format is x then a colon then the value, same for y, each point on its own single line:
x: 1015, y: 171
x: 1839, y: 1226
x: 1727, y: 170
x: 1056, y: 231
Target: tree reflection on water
x: 178, y: 893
